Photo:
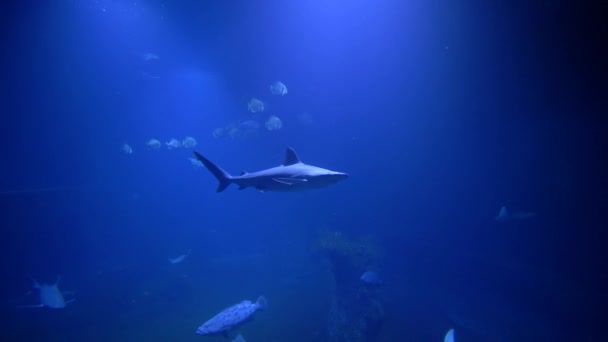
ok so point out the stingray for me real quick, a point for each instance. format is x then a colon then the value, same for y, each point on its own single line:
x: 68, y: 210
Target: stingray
x: 50, y: 296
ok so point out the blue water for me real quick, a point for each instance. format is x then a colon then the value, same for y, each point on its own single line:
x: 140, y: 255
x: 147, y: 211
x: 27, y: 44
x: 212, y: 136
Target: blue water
x: 441, y: 113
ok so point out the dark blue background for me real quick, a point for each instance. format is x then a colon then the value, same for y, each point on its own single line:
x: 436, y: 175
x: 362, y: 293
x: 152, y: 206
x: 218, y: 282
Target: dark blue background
x: 441, y: 112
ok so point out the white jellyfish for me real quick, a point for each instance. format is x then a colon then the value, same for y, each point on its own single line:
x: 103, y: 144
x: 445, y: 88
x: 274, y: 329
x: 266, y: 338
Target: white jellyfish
x: 273, y: 123
x: 189, y: 142
x: 126, y: 149
x: 153, y: 144
x: 173, y: 144
x: 254, y: 105
x: 278, y: 88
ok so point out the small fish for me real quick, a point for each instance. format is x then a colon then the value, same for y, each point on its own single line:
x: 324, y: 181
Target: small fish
x: 255, y: 105
x: 371, y: 278
x: 126, y: 149
x: 273, y: 123
x: 50, y: 296
x: 503, y: 215
x: 173, y: 144
x: 149, y: 56
x: 195, y: 162
x: 180, y: 258
x: 189, y: 142
x: 232, y: 317
x: 278, y: 88
x: 153, y: 144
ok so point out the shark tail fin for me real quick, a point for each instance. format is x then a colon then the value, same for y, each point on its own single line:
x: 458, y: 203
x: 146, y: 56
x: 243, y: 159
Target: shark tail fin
x: 223, y: 177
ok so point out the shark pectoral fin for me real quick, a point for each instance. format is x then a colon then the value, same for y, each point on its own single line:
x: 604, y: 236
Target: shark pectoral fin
x: 288, y: 181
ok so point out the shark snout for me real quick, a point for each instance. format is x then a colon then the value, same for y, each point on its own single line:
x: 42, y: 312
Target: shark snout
x: 339, y: 176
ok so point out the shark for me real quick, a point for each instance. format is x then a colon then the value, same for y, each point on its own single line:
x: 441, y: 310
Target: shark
x: 292, y: 175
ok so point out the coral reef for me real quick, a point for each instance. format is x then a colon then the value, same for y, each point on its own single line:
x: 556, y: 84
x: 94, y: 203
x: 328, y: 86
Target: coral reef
x: 355, y: 314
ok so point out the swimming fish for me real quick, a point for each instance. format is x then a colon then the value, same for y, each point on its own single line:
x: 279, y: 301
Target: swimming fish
x: 180, y: 258
x: 293, y: 175
x: 371, y: 278
x: 255, y: 105
x: 195, y: 162
x: 153, y: 144
x: 503, y: 215
x: 173, y: 144
x: 126, y: 149
x: 232, y: 317
x: 149, y: 56
x: 273, y: 123
x: 50, y: 296
x: 189, y: 142
x: 278, y: 88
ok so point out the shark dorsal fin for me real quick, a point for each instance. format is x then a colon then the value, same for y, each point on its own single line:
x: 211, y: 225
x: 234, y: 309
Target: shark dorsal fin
x: 291, y: 157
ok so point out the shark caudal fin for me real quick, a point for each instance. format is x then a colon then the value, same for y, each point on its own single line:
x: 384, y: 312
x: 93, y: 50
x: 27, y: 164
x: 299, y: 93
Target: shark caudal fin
x: 223, y: 177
